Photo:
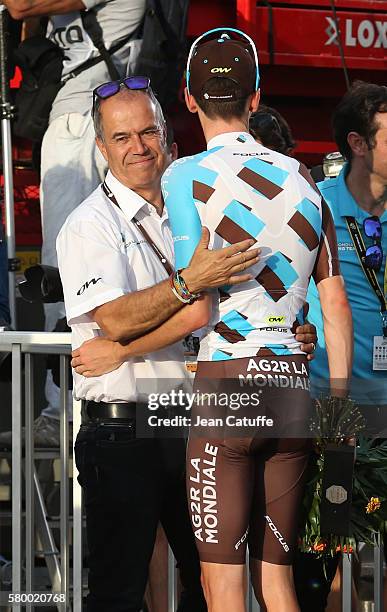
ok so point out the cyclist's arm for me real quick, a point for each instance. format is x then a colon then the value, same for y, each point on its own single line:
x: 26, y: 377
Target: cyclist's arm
x: 337, y: 316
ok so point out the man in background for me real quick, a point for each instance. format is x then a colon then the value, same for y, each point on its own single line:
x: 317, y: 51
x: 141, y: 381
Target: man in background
x: 71, y: 164
x: 358, y: 202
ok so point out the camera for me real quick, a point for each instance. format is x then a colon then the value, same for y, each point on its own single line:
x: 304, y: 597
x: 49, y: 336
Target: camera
x: 42, y: 284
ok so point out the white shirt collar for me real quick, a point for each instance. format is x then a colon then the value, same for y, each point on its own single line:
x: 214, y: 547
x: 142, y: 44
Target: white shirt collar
x: 231, y: 138
x: 130, y: 202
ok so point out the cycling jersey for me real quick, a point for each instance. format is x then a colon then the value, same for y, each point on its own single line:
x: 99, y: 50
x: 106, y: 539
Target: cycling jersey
x: 239, y: 189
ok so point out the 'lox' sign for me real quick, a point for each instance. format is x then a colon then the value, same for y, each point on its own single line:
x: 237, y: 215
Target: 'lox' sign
x: 365, y: 33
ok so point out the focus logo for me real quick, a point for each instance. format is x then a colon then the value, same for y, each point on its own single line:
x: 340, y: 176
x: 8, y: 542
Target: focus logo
x: 243, y: 538
x: 277, y: 534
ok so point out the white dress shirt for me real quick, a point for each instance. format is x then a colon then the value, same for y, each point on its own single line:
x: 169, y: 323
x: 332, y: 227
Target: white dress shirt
x: 102, y: 255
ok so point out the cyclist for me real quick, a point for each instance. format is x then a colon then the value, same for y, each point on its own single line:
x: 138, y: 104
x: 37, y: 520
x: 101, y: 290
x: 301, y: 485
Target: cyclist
x: 246, y: 486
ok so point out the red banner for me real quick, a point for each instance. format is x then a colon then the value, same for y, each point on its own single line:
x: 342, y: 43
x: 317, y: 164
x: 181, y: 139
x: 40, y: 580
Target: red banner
x: 310, y: 38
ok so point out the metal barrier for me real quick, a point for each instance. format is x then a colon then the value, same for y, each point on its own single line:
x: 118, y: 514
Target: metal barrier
x: 30, y: 344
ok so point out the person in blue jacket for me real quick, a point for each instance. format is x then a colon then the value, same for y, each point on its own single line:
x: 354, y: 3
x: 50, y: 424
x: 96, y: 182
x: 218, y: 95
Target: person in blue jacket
x: 358, y: 201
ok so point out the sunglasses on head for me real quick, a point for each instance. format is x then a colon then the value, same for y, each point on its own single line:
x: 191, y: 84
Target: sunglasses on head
x: 374, y: 254
x: 107, y: 90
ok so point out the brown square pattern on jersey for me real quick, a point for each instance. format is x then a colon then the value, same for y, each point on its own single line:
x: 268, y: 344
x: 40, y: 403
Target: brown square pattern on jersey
x: 260, y: 183
x: 304, y: 230
x: 231, y: 335
x: 272, y: 284
x: 303, y: 170
x: 231, y: 231
x: 265, y: 352
x: 201, y: 191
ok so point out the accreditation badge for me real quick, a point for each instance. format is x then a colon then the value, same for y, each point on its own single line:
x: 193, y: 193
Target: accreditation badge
x: 191, y: 350
x: 191, y: 363
x: 380, y: 353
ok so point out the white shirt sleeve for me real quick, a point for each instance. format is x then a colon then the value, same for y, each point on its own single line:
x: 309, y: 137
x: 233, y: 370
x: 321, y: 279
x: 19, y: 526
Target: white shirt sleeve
x: 93, y: 267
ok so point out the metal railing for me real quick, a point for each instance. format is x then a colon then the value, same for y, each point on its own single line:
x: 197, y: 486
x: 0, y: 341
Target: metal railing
x: 28, y: 344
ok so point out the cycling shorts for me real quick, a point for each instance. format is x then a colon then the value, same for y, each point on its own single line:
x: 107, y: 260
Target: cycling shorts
x: 244, y: 485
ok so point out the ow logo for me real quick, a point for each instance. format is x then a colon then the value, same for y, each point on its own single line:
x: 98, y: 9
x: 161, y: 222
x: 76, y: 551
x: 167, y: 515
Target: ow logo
x: 213, y: 70
x: 87, y: 284
x: 275, y: 319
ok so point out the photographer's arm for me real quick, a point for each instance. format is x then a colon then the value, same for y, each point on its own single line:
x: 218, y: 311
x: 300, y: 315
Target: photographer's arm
x: 21, y: 9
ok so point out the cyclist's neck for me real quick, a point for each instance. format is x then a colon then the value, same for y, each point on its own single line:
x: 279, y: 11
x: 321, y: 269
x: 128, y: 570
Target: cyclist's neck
x: 215, y: 127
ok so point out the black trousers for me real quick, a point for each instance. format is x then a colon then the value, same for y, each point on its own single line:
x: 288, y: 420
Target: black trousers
x: 129, y: 486
x: 312, y: 582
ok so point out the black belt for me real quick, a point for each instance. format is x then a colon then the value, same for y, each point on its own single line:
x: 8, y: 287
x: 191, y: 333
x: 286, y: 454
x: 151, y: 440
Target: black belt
x: 111, y: 410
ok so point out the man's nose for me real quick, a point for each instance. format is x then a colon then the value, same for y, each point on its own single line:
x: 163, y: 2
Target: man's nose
x: 138, y: 146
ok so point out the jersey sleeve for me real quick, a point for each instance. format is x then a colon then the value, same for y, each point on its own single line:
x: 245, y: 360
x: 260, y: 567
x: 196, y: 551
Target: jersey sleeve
x: 93, y: 268
x: 184, y: 219
x: 327, y: 260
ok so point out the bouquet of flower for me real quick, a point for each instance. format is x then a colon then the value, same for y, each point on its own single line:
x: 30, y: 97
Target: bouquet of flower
x: 336, y: 420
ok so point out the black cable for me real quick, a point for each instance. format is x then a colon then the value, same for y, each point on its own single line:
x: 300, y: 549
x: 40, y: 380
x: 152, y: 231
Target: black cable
x: 339, y: 41
x: 4, y: 87
x: 271, y: 39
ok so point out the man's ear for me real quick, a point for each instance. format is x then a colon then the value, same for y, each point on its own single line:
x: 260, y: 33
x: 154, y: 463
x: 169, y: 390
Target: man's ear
x: 100, y: 144
x: 173, y: 151
x: 190, y: 101
x: 254, y: 101
x: 357, y: 144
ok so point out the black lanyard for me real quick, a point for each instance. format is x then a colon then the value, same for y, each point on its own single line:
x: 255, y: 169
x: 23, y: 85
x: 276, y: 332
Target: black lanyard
x: 163, y: 260
x: 359, y: 245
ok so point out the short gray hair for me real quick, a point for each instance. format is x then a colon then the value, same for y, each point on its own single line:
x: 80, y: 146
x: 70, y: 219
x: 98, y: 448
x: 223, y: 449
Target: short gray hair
x: 97, y: 115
